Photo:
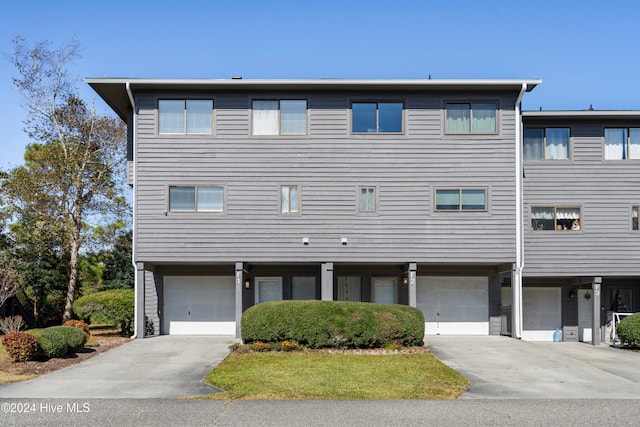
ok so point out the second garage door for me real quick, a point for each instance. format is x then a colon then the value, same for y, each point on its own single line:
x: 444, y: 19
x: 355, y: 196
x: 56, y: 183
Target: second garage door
x: 454, y: 305
x: 199, y: 305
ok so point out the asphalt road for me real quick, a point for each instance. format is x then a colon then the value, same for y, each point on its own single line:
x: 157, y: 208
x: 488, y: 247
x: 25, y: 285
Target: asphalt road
x: 175, y: 412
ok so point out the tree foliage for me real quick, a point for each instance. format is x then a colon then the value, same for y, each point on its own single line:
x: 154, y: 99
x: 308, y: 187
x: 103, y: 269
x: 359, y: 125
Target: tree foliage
x: 73, y: 176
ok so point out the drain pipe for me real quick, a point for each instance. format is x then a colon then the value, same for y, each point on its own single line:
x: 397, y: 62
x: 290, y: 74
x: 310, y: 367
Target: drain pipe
x: 137, y: 296
x: 516, y: 285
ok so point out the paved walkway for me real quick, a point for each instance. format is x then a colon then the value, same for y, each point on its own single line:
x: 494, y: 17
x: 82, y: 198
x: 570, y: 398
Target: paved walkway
x: 504, y: 368
x: 165, y: 366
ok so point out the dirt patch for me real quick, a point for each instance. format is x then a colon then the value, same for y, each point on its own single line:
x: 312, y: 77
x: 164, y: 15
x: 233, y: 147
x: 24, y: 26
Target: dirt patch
x: 11, y: 372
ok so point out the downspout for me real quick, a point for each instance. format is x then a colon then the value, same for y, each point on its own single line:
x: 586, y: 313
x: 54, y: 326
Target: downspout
x: 516, y: 285
x: 133, y: 206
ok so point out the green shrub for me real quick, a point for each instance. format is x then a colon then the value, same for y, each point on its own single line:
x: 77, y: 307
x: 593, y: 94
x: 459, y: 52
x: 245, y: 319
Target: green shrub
x: 114, y: 307
x: 52, y: 343
x: 80, y: 325
x: 628, y: 330
x: 337, y: 324
x: 76, y: 338
x: 21, y: 346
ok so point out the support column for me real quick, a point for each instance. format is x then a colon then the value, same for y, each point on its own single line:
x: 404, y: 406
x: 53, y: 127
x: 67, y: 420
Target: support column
x: 326, y: 282
x: 239, y: 285
x: 596, y: 286
x: 516, y: 303
x: 139, y: 301
x: 413, y: 280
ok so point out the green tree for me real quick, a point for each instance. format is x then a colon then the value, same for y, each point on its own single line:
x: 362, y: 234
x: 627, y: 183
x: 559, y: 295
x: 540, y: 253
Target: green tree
x: 73, y: 176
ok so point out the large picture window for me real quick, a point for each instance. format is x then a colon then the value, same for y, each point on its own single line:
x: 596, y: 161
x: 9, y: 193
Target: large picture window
x: 185, y: 117
x: 461, y: 199
x: 279, y: 117
x: 196, y: 199
x: 546, y: 143
x: 549, y: 218
x: 621, y: 143
x: 471, y: 117
x: 376, y: 117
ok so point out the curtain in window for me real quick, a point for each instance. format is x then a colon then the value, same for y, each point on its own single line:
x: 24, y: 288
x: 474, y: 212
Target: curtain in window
x: 182, y: 199
x: 458, y: 118
x: 567, y: 213
x: 533, y: 144
x: 543, y: 218
x: 293, y: 117
x: 484, y: 118
x: 615, y: 141
x: 170, y: 116
x: 367, y: 200
x: 349, y: 288
x: 303, y: 288
x: 289, y: 199
x: 473, y: 200
x: 557, y: 143
x: 210, y: 199
x: 634, y: 143
x: 384, y: 291
x: 265, y: 117
x: 199, y: 116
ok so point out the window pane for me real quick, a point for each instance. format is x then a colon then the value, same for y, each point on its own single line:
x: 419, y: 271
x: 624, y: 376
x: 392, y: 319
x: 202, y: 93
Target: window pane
x: 293, y: 117
x: 448, y: 200
x: 543, y: 219
x: 303, y: 288
x: 557, y: 143
x: 458, y: 118
x: 171, y: 116
x: 265, y: 117
x: 384, y: 291
x: 634, y: 143
x: 182, y: 199
x: 293, y: 199
x: 474, y: 200
x: 615, y: 142
x: 210, y: 199
x: 285, y: 199
x: 363, y: 117
x: 390, y: 117
x: 484, y: 118
x: 367, y: 200
x: 199, y: 116
x: 568, y: 219
x: 533, y: 143
x: 268, y: 289
x: 349, y: 288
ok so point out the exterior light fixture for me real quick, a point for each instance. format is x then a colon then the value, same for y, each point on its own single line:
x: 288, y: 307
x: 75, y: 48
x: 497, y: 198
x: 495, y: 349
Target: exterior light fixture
x: 247, y: 283
x: 344, y: 241
x: 305, y: 240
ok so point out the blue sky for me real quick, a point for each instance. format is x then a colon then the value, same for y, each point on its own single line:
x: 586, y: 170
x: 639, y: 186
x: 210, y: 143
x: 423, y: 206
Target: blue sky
x: 585, y: 52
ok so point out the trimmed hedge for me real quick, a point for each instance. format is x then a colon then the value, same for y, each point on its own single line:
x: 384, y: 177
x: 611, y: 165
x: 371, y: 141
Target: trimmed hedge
x: 52, y: 343
x: 628, y: 330
x: 333, y: 324
x: 80, y: 325
x: 21, y: 346
x: 114, y: 307
x: 75, y: 337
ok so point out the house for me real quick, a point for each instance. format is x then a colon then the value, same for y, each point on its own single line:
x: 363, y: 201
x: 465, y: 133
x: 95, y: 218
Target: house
x: 430, y: 193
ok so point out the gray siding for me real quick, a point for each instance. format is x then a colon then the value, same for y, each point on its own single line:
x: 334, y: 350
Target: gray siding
x: 329, y: 164
x: 605, y: 190
x: 152, y: 303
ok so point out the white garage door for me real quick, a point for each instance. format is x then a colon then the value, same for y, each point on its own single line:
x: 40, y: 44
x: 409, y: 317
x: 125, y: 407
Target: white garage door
x: 199, y: 305
x: 454, y: 305
x: 541, y: 313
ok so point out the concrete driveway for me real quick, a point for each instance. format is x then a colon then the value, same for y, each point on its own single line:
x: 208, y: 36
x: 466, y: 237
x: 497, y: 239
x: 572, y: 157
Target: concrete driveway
x: 159, y: 367
x: 504, y: 368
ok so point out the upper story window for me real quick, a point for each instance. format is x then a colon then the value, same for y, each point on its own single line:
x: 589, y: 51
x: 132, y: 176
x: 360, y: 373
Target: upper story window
x: 367, y: 202
x: 546, y: 143
x: 290, y: 199
x: 279, y: 117
x: 185, y: 117
x: 471, y: 117
x: 461, y: 199
x: 621, y: 143
x: 634, y: 218
x: 196, y: 199
x: 550, y: 218
x: 376, y: 117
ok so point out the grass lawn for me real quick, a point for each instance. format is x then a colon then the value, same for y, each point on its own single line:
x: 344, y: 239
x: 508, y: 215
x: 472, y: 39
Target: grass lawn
x: 282, y: 376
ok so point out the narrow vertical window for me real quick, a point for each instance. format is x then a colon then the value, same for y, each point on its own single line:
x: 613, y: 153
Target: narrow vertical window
x: 367, y: 199
x: 289, y: 199
x: 634, y: 218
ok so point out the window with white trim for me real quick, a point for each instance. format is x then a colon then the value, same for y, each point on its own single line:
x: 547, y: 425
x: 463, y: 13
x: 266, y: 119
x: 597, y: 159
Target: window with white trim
x: 279, y: 117
x: 551, y: 218
x: 185, y: 117
x: 290, y: 199
x: 470, y: 118
x: 367, y: 199
x: 461, y: 199
x: 546, y: 143
x: 376, y: 117
x: 621, y: 143
x: 196, y: 199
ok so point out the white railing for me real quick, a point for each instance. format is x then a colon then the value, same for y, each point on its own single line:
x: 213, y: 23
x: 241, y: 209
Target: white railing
x: 615, y: 319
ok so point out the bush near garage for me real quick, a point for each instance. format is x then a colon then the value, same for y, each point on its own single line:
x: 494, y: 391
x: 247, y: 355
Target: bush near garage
x: 80, y: 325
x: 52, y: 342
x: 75, y: 337
x: 628, y: 330
x: 114, y: 307
x: 20, y: 346
x: 333, y: 324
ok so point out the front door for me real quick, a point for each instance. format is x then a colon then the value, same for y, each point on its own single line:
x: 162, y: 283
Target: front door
x: 585, y: 314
